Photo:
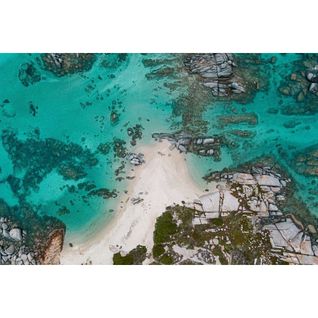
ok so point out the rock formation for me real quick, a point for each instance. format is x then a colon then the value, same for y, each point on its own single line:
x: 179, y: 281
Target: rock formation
x: 202, y: 145
x: 29, y: 239
x: 217, y: 72
x: 51, y: 254
x: 243, y: 221
x: 62, y: 64
x: 136, y: 159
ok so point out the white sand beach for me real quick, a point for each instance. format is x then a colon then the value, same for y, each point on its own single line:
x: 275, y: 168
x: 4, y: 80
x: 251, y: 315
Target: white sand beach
x: 163, y: 180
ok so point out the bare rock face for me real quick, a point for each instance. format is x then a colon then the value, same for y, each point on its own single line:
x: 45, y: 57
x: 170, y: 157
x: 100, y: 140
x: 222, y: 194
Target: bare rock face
x: 260, y: 192
x: 216, y: 71
x: 51, y: 254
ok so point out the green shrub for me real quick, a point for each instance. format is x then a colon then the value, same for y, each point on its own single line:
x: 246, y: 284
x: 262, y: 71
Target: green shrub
x: 158, y: 250
x: 165, y: 226
x: 134, y: 257
x: 166, y: 259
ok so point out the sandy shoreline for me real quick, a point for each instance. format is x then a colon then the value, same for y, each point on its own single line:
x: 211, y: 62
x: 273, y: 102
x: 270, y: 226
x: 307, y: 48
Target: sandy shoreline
x: 162, y: 181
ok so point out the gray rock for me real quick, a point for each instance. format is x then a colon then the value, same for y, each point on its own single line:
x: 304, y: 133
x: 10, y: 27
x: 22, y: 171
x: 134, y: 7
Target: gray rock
x: 216, y: 72
x: 136, y: 159
x: 24, y: 258
x: 10, y: 250
x: 5, y: 226
x: 313, y: 88
x: 182, y: 148
x: 208, y: 141
x: 16, y: 234
x: 6, y: 234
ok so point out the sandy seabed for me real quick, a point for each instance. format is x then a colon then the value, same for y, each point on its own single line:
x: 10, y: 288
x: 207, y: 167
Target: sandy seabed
x: 163, y: 180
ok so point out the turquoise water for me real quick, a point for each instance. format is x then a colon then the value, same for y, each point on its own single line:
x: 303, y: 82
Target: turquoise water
x: 77, y: 109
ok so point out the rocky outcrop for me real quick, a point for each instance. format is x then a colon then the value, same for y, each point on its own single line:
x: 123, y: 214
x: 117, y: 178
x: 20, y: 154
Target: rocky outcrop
x: 261, y: 193
x: 209, y: 146
x: 259, y: 190
x: 54, y: 246
x: 136, y: 159
x: 216, y: 71
x: 62, y: 64
x: 312, y: 77
x: 242, y: 222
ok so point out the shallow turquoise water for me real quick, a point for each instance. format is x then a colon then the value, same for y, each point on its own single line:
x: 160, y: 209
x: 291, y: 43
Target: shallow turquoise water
x: 61, y: 117
x: 139, y: 101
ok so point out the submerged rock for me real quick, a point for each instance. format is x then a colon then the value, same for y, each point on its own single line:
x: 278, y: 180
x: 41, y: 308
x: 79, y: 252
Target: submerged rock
x: 28, y: 74
x: 306, y: 162
x: 302, y: 85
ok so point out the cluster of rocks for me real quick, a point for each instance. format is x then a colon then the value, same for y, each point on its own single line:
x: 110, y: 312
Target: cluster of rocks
x: 15, y: 247
x: 136, y: 159
x: 302, y: 85
x: 26, y: 238
x: 202, y: 145
x: 216, y: 71
x: 260, y: 194
x: 312, y: 77
x: 62, y: 64
x: 12, y: 247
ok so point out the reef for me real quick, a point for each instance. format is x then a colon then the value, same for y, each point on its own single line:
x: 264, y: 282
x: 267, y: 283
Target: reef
x: 29, y: 74
x: 306, y: 162
x: 104, y: 193
x: 247, y: 118
x: 62, y: 64
x: 38, y: 157
x: 203, y: 79
x: 114, y: 60
x: 135, y: 133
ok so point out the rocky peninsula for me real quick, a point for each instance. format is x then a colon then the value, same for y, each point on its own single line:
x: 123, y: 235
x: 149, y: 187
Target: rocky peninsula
x: 243, y: 221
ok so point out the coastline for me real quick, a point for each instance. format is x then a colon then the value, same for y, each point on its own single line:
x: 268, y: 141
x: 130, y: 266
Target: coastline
x: 163, y: 180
